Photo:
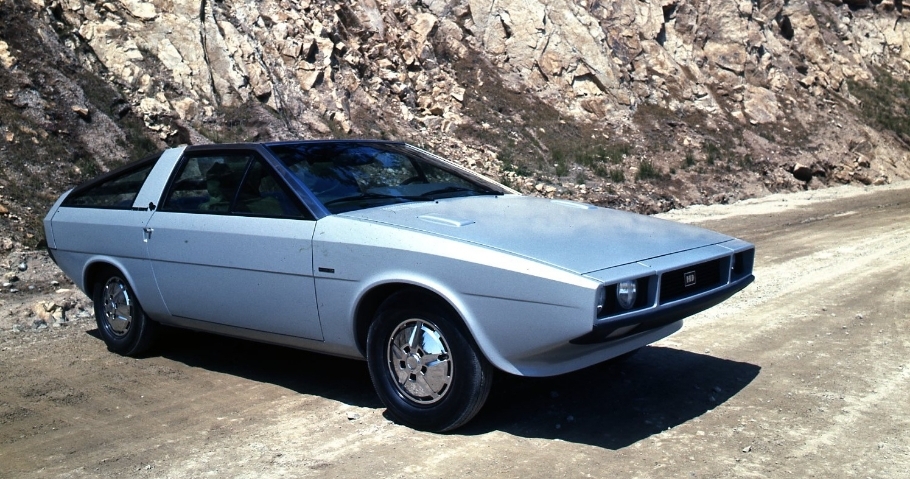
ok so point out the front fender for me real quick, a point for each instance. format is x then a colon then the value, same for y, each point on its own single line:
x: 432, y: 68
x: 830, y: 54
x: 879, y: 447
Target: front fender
x: 512, y: 306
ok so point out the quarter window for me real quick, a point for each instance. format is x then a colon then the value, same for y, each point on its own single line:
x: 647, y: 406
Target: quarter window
x: 116, y: 190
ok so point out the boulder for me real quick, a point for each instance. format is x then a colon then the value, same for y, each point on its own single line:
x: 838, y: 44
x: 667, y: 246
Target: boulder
x: 760, y: 105
x: 7, y: 60
x: 423, y: 26
x: 139, y: 9
x: 802, y: 172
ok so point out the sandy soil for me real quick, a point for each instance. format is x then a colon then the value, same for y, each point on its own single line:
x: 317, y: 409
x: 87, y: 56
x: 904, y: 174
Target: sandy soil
x: 804, y: 374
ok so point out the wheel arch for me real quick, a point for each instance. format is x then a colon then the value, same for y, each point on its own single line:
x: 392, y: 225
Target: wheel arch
x: 94, y: 269
x: 374, y: 298
x: 140, y: 331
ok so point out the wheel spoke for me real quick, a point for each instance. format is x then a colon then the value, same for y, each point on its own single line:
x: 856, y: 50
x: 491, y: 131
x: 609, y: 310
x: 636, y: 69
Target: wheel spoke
x: 425, y: 388
x: 436, y: 361
x: 416, y: 340
x: 437, y: 375
x: 398, y: 353
x: 118, y: 315
x: 119, y: 296
x: 402, y: 374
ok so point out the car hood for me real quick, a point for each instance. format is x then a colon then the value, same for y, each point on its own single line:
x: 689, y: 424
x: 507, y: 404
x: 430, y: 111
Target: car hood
x: 575, y: 236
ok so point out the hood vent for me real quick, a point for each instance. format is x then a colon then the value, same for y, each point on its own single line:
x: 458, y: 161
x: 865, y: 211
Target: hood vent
x: 574, y: 204
x: 441, y: 220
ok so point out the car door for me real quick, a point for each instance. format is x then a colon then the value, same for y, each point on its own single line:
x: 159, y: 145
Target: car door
x: 231, y: 245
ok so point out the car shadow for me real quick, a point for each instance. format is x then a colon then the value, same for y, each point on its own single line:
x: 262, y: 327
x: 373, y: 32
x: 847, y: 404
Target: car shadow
x: 610, y: 405
x: 339, y: 379
x: 613, y: 404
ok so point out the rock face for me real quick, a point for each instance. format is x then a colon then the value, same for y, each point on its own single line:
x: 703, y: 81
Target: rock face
x: 722, y: 96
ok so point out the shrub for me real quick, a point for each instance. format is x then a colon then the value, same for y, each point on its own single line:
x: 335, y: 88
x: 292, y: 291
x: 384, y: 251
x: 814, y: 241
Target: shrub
x: 746, y: 161
x: 647, y: 171
x: 887, y: 102
x: 689, y: 161
x: 617, y: 175
x: 712, y: 153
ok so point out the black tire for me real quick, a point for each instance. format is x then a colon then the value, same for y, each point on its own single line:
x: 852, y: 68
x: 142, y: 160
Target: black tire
x: 420, y: 387
x: 122, y: 323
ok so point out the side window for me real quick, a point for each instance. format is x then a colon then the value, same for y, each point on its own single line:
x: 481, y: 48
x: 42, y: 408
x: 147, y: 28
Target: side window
x: 262, y: 194
x: 116, y: 191
x: 206, y: 183
x: 230, y: 182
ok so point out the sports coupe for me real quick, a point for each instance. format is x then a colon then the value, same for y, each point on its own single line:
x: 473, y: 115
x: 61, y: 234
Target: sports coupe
x: 378, y: 250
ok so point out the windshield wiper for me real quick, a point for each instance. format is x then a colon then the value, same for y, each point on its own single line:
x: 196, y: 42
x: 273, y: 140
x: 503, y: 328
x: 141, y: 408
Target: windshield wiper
x: 375, y: 196
x: 455, y: 189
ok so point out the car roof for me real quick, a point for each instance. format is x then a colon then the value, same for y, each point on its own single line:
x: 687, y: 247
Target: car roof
x: 267, y: 144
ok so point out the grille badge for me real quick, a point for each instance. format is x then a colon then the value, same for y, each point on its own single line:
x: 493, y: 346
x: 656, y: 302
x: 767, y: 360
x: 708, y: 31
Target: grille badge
x: 689, y: 278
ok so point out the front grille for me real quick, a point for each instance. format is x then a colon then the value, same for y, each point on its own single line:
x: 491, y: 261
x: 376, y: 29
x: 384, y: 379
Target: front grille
x: 674, y: 284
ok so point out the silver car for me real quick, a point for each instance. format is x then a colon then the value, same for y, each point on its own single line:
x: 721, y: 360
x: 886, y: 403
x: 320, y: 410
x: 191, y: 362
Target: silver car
x: 379, y: 250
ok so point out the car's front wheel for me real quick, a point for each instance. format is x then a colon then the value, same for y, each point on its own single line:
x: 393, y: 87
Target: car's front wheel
x: 122, y: 323
x: 425, y: 367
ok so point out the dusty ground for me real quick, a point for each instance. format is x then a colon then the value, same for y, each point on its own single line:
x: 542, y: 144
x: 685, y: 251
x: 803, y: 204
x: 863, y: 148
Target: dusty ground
x: 804, y: 374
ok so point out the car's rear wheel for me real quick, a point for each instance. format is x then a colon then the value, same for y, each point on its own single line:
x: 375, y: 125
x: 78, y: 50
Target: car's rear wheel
x: 122, y: 323
x: 425, y: 367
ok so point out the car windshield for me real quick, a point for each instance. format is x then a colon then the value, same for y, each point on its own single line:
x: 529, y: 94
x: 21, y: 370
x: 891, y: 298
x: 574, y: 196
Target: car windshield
x: 348, y: 176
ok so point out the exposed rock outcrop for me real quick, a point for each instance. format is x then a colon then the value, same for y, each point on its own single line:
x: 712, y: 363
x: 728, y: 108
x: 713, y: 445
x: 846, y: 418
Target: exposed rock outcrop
x: 715, y: 100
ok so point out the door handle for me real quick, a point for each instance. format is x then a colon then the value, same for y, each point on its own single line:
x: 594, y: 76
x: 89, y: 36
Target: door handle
x: 148, y: 234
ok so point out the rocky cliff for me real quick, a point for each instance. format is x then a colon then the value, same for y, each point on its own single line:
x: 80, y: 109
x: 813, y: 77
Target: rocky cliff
x: 641, y: 104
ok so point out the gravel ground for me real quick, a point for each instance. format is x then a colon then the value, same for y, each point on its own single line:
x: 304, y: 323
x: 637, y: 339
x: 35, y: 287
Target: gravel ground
x: 806, y: 373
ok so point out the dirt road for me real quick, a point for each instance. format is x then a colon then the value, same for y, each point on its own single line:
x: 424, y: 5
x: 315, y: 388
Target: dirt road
x: 804, y: 374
